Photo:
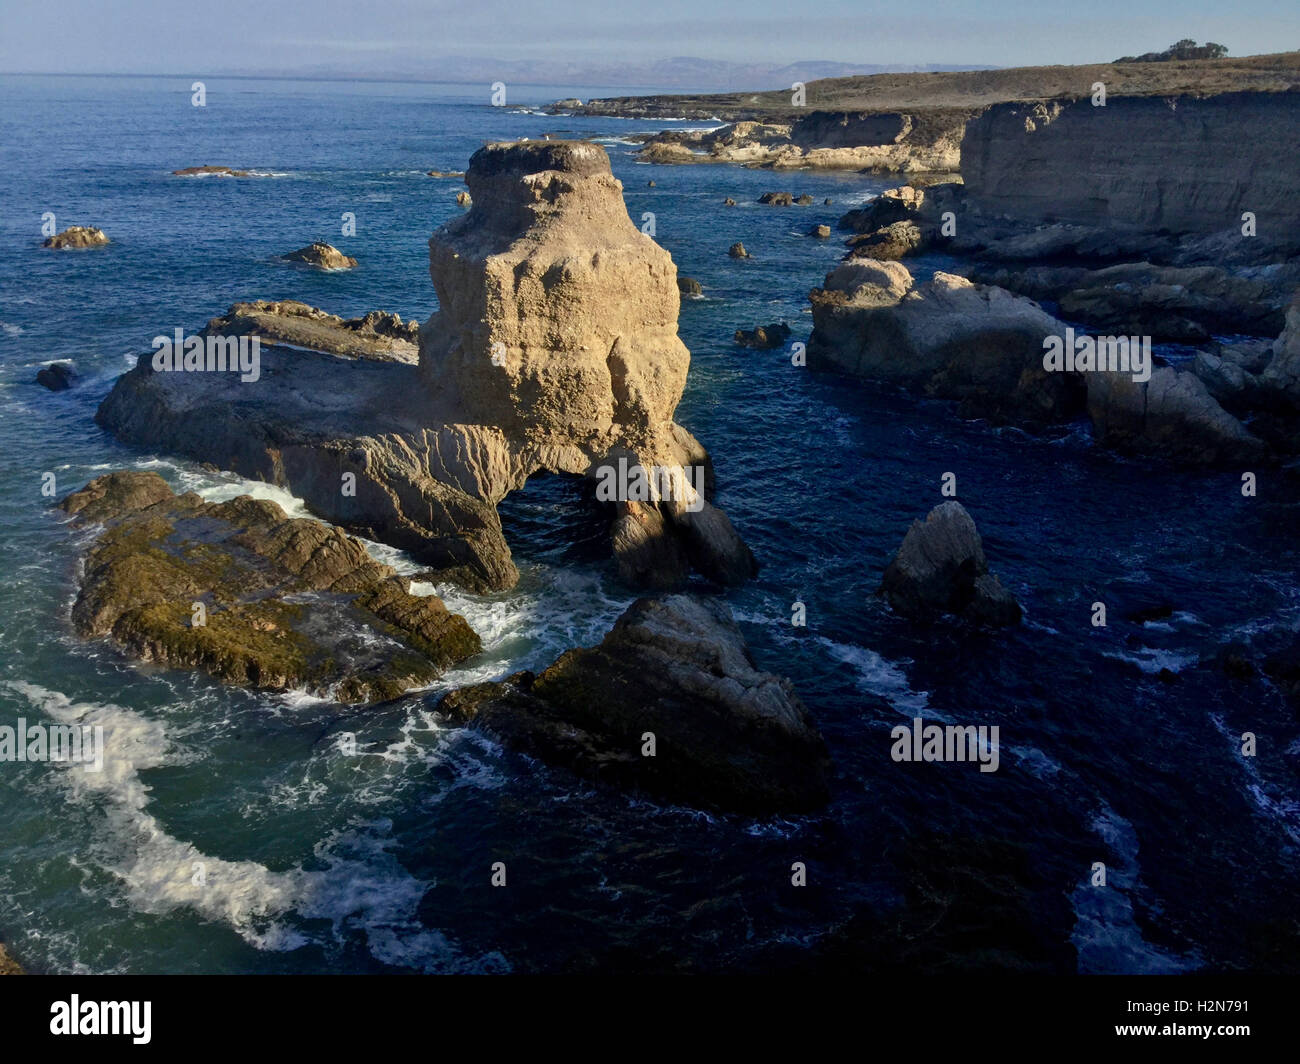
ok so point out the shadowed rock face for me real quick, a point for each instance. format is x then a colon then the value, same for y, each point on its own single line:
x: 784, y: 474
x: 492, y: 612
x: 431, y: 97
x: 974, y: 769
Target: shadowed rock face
x: 286, y: 602
x: 941, y: 568
x: 554, y: 349
x: 726, y: 734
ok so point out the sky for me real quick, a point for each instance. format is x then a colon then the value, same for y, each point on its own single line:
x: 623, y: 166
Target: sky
x: 386, y: 37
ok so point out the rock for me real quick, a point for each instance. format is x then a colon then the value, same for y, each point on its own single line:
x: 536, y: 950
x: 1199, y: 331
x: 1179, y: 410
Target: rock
x: 322, y: 256
x: 776, y: 199
x: 827, y: 202
x: 893, y: 205
x: 213, y: 171
x: 289, y: 602
x: 941, y: 568
x: 463, y: 199
x: 376, y: 335
x: 650, y: 184
x: 689, y: 286
x: 1281, y: 376
x: 567, y: 104
x: 446, y: 173
x: 764, y: 337
x: 1171, y: 416
x: 57, y: 376
x: 76, y: 236
x: 805, y: 200
x: 655, y: 152
x: 727, y: 736
x: 9, y: 966
x: 737, y: 251
x: 891, y: 242
x: 728, y: 202
x: 554, y: 349
x: 647, y: 553
x: 820, y: 231
x: 947, y: 339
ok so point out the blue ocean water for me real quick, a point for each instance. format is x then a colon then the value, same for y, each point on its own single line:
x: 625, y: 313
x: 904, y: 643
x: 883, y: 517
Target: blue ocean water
x: 230, y: 834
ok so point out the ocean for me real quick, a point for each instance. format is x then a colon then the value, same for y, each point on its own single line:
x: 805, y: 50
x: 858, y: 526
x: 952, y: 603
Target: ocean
x: 229, y: 833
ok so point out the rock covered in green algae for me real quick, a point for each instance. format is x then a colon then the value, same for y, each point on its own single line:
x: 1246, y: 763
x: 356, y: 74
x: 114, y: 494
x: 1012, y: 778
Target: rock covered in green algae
x: 286, y: 602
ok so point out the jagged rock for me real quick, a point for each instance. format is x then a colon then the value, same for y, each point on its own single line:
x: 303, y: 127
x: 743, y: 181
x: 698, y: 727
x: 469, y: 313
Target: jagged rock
x: 776, y: 199
x: 889, y: 242
x: 57, y: 376
x: 76, y: 236
x: 689, y: 286
x: 737, y: 251
x: 948, y: 339
x: 287, y: 602
x: 941, y: 568
x: 726, y: 735
x: 764, y: 337
x: 804, y: 201
x: 821, y: 231
x: 1282, y: 374
x: 893, y: 205
x: 463, y: 199
x: 9, y: 966
x: 214, y: 171
x: 322, y: 256
x: 555, y: 349
x: 376, y: 335
x: 1170, y: 416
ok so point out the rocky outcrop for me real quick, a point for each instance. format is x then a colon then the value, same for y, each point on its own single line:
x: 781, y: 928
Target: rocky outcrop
x: 1180, y: 163
x: 820, y: 231
x: 214, y: 171
x: 322, y: 256
x: 251, y: 596
x: 446, y: 173
x: 376, y: 335
x: 776, y: 199
x: 76, y: 236
x: 1169, y: 304
x: 57, y: 376
x: 9, y: 966
x: 764, y: 337
x: 675, y: 672
x: 1281, y: 376
x: 893, y: 241
x: 737, y: 251
x: 1171, y: 416
x: 941, y: 569
x: 554, y: 349
x: 690, y: 287
x: 825, y: 140
x: 947, y: 339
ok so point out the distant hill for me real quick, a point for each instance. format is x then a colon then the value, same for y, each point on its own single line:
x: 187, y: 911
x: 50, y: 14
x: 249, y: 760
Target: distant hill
x: 977, y: 88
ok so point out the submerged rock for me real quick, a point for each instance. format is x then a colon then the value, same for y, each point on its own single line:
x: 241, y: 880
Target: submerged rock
x: 251, y: 596
x: 725, y: 734
x: 322, y: 256
x: 214, y: 171
x: 57, y: 376
x: 941, y: 568
x: 76, y: 236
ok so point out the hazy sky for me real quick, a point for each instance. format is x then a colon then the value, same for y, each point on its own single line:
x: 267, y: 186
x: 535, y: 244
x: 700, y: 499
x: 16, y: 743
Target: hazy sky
x: 392, y: 36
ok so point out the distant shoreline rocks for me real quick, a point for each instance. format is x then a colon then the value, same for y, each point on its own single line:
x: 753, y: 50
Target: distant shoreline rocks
x: 322, y: 256
x: 215, y: 171
x: 76, y: 236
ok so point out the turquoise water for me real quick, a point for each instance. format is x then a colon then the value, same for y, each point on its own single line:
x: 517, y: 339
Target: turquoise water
x: 317, y: 862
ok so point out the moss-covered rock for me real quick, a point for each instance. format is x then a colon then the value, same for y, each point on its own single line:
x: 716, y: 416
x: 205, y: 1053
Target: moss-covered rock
x: 252, y: 596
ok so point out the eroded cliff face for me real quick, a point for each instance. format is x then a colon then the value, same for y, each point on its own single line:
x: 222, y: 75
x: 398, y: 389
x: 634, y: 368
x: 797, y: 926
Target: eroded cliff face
x: 1183, y: 164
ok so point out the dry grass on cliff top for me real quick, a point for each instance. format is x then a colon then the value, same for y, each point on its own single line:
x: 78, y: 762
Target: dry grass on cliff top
x: 973, y: 89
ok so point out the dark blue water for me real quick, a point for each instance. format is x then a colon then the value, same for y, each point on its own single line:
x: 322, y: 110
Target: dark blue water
x: 1118, y: 745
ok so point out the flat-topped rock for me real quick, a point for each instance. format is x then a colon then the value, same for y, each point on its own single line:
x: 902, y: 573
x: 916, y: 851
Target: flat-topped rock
x: 375, y: 335
x: 213, y: 171
x: 251, y: 596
